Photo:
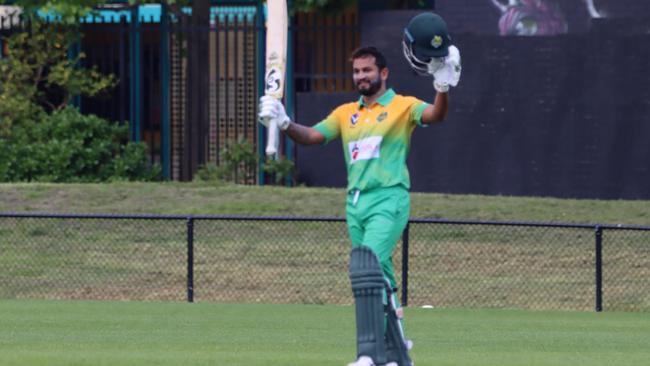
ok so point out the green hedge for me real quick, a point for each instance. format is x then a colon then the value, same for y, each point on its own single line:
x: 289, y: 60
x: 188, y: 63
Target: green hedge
x: 67, y: 146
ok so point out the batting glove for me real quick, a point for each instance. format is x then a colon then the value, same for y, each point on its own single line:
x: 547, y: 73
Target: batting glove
x: 272, y: 109
x: 435, y: 64
x: 446, y: 71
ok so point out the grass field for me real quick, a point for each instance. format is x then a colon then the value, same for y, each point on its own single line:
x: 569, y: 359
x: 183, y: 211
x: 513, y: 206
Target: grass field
x: 305, y: 263
x: 201, y: 198
x: 450, y: 266
x: 52, y: 333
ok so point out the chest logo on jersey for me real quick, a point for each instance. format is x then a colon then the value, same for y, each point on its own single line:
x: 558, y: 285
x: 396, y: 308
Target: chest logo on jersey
x: 364, y: 149
x: 382, y: 116
x: 354, y: 118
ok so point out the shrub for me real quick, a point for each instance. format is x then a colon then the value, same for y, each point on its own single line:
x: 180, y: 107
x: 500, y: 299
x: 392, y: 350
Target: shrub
x: 42, y: 138
x: 236, y: 159
x: 281, y: 169
x: 67, y: 146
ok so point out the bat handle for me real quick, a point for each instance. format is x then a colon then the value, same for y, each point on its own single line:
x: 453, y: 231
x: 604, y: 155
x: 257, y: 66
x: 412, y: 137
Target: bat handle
x: 272, y: 138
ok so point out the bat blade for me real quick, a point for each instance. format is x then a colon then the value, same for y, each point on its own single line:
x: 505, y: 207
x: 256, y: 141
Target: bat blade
x: 276, y: 60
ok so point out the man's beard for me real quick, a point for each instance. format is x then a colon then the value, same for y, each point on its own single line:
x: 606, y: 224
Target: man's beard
x: 373, y: 87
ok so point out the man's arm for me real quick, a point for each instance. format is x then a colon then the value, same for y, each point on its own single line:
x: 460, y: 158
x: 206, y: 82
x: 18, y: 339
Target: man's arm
x: 446, y: 74
x: 304, y: 135
x: 271, y: 108
x: 437, y: 111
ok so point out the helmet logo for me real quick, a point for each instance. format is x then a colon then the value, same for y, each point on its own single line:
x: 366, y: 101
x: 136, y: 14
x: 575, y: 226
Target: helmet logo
x: 436, y: 42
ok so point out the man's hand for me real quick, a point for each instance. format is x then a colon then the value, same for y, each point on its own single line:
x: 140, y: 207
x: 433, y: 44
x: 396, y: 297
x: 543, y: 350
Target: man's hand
x: 271, y: 108
x: 446, y: 70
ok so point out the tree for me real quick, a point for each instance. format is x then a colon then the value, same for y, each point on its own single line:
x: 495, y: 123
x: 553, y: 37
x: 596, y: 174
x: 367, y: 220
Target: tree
x: 326, y: 6
x: 39, y: 77
x: 41, y: 137
x: 69, y: 11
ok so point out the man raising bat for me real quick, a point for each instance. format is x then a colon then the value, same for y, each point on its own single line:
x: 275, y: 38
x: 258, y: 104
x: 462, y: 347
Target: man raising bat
x: 376, y: 131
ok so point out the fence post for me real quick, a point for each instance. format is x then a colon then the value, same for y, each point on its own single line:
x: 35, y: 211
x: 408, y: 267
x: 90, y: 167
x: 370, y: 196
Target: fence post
x: 190, y: 259
x: 599, y: 267
x: 164, y: 92
x: 124, y: 100
x: 405, y: 264
x: 135, y: 90
x: 261, y: 52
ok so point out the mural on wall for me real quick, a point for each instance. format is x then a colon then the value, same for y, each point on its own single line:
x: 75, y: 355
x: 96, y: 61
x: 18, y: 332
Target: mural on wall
x: 536, y: 17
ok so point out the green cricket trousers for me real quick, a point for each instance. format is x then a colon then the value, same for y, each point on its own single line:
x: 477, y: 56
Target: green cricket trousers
x: 376, y: 219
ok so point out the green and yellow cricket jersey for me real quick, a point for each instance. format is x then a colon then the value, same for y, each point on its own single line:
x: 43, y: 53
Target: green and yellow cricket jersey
x: 376, y: 139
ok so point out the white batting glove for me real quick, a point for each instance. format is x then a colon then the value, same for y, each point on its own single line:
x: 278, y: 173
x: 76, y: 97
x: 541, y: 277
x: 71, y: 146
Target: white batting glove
x: 267, y: 109
x: 271, y: 108
x: 435, y: 64
x: 446, y: 71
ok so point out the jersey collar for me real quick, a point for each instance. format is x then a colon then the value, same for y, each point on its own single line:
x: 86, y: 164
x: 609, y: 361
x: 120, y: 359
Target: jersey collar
x: 383, y: 100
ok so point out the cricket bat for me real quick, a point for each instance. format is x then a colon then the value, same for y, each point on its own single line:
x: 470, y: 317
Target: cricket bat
x: 276, y: 60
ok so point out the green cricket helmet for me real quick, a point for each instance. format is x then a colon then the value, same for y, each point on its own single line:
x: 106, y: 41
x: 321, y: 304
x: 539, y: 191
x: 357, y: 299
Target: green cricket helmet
x: 425, y: 37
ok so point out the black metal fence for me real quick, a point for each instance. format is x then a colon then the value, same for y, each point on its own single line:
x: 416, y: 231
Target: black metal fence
x: 304, y: 260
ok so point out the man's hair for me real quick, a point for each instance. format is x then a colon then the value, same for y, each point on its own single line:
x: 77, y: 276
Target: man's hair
x: 362, y: 52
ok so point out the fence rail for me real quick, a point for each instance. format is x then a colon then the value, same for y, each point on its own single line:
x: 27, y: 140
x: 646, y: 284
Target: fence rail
x: 444, y: 263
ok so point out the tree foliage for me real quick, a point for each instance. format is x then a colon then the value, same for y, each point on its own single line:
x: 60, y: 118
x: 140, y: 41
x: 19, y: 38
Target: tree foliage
x: 43, y: 138
x: 67, y: 11
x: 67, y: 146
x: 38, y: 76
x: 325, y: 6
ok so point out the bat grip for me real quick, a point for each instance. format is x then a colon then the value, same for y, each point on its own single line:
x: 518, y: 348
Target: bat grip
x: 272, y: 137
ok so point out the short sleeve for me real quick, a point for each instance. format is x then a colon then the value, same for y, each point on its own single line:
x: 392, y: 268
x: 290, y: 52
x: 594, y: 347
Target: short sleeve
x: 329, y: 127
x: 417, y: 108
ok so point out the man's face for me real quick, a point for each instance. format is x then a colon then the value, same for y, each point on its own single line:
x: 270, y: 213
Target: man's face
x: 366, y: 75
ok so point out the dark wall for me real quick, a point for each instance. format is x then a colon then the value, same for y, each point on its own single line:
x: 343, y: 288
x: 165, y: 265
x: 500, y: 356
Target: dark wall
x: 564, y: 116
x: 322, y: 166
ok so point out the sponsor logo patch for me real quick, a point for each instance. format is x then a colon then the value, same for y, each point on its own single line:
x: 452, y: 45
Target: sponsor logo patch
x: 354, y: 118
x: 364, y: 149
x: 382, y: 116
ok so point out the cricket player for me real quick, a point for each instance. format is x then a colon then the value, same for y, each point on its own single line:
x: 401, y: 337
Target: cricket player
x: 376, y: 131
